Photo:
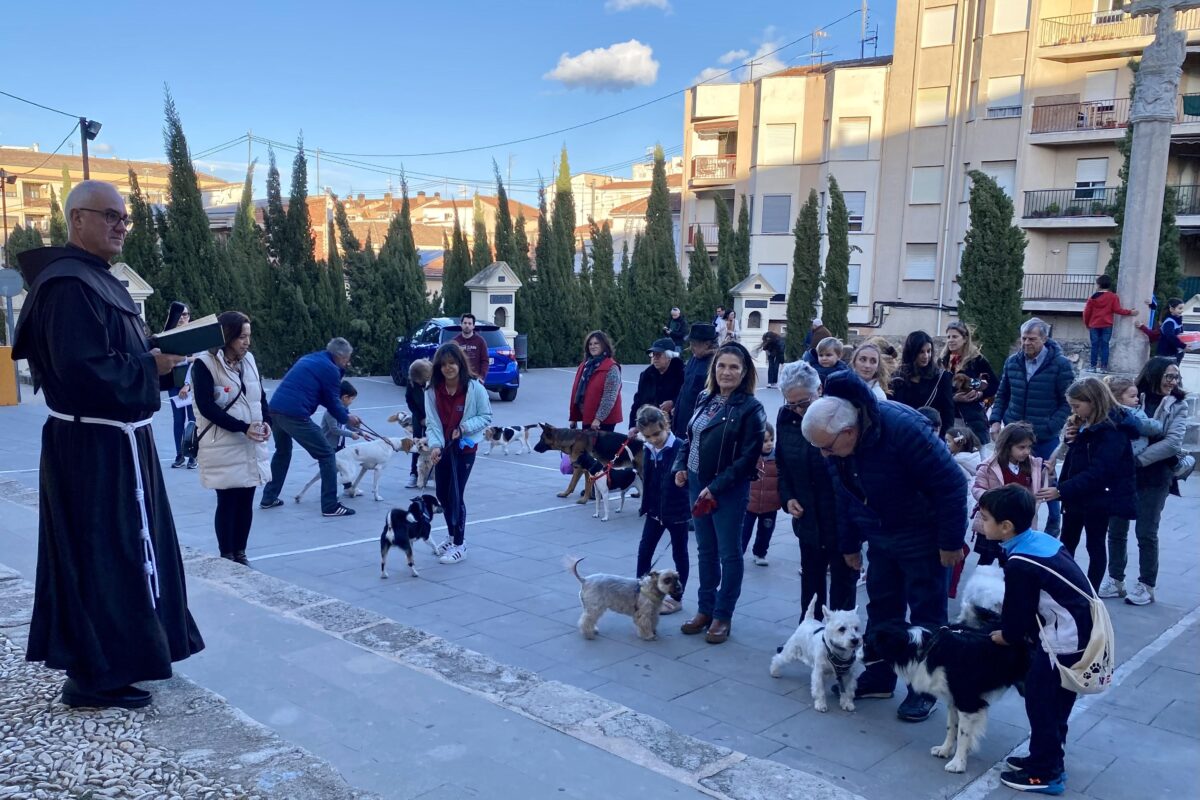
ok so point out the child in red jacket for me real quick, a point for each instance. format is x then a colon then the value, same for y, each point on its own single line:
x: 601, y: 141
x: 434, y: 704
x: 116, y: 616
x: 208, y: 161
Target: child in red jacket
x: 1098, y: 317
x: 764, y: 501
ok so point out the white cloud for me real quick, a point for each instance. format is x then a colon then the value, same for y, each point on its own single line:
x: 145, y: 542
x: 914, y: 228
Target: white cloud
x: 607, y: 69
x: 733, y: 55
x: 709, y: 73
x: 628, y: 5
x: 104, y: 148
x: 744, y: 65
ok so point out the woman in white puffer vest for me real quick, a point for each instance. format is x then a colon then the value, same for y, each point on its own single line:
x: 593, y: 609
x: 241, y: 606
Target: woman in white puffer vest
x: 234, y: 425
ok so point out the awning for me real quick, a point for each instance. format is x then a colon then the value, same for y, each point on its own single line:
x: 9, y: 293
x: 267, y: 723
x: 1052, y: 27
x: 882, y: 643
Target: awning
x: 727, y: 124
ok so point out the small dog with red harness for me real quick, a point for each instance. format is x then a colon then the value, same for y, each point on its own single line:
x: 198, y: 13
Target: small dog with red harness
x: 605, y: 479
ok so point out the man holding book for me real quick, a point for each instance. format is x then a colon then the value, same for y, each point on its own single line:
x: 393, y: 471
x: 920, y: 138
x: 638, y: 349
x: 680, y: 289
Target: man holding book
x: 111, y: 604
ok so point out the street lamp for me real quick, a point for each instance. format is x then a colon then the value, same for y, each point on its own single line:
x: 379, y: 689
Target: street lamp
x: 6, y: 179
x: 89, y: 129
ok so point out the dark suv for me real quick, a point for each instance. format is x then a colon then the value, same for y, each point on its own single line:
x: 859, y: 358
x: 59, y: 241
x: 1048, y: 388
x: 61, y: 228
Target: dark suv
x: 503, y: 376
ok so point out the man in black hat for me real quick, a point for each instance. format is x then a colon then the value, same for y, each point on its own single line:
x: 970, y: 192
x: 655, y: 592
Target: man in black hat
x: 703, y: 341
x: 659, y: 383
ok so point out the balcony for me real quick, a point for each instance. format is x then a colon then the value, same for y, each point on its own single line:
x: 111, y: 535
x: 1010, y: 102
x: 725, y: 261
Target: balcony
x: 707, y: 230
x: 1056, y: 291
x: 1081, y: 207
x: 1103, y: 33
x: 1101, y: 120
x: 714, y: 169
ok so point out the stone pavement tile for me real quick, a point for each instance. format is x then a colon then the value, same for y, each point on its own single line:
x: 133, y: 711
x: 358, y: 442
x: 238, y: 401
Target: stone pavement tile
x: 572, y: 677
x: 678, y: 717
x: 548, y: 603
x: 745, y: 707
x: 521, y: 567
x: 506, y: 652
x: 853, y: 740
x: 1180, y: 716
x: 521, y: 628
x: 771, y: 609
x: 914, y: 772
x: 746, y: 665
x: 464, y: 609
x: 657, y: 676
x: 1181, y: 655
x: 1137, y: 703
x: 671, y: 643
x: 1084, y: 765
x: 404, y: 590
x: 1128, y: 778
x: 1142, y: 743
x: 735, y: 738
x: 495, y: 587
x: 584, y: 654
x: 803, y: 758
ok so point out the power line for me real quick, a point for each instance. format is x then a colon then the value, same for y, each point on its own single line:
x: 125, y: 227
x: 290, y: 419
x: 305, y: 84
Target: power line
x: 52, y: 153
x: 39, y: 105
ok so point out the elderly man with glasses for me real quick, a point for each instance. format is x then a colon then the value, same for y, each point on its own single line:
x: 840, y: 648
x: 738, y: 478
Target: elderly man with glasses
x: 111, y: 606
x: 900, y: 491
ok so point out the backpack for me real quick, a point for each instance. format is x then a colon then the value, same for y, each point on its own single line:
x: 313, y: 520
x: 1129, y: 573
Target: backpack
x: 1093, y: 673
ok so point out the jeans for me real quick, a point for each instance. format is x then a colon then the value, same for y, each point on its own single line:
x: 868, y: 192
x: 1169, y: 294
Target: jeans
x: 235, y: 512
x: 773, y: 369
x: 766, y: 527
x: 896, y: 584
x: 180, y: 417
x: 451, y: 474
x: 817, y: 562
x: 719, y: 549
x: 652, y: 532
x: 1048, y: 706
x: 1095, y: 525
x: 1100, y: 337
x: 1150, y: 502
x: 1044, y: 450
x: 303, y: 430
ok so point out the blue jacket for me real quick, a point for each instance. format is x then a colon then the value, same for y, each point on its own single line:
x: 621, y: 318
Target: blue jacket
x: 314, y: 380
x: 1040, y: 401
x: 661, y: 498
x: 1031, y: 592
x: 1168, y: 337
x: 477, y: 415
x: 900, y: 491
x: 1098, y: 471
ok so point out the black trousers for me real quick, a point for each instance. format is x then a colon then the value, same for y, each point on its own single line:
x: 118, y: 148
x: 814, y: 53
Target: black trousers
x: 1095, y: 524
x: 652, y: 532
x: 451, y: 474
x: 766, y: 527
x: 235, y: 512
x: 817, y: 562
x: 1048, y: 706
x: 773, y: 363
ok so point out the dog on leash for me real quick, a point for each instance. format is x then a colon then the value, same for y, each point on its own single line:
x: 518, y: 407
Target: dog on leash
x: 832, y: 648
x: 403, y: 526
x: 607, y: 447
x: 983, y: 599
x: 354, y: 461
x: 605, y: 480
x: 502, y: 436
x: 640, y: 598
x: 962, y: 667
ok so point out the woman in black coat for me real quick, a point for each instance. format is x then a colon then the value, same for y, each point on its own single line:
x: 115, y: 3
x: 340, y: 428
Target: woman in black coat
x: 717, y: 463
x: 961, y: 356
x: 920, y: 382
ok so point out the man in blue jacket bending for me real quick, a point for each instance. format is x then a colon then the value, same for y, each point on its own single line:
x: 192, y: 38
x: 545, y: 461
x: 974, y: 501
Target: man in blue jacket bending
x: 899, y: 490
x: 314, y: 380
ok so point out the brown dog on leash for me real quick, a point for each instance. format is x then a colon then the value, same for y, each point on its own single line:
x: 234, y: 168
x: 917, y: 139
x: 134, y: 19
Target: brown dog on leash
x: 608, y: 447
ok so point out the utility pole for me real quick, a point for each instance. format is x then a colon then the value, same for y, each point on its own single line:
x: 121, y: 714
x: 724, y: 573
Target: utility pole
x: 89, y: 129
x: 249, y: 147
x: 6, y: 179
x: 318, y: 170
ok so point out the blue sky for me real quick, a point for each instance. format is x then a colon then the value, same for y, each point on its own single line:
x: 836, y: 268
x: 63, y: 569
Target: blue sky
x: 374, y: 78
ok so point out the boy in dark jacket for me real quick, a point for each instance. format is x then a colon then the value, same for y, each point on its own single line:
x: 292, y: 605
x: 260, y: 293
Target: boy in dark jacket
x: 1098, y: 317
x: 419, y: 373
x: 1046, y: 610
x: 664, y: 504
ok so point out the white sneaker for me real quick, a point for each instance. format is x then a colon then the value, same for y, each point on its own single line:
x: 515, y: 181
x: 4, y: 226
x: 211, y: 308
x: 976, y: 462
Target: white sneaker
x: 442, y: 547
x: 455, y: 554
x: 761, y: 561
x: 1110, y: 587
x: 1140, y: 595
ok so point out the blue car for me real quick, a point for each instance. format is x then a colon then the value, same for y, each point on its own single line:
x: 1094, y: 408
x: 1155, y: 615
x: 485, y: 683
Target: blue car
x: 503, y: 376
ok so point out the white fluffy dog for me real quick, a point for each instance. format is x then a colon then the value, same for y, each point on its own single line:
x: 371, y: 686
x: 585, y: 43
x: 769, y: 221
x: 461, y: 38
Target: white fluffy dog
x: 354, y: 461
x: 983, y: 598
x: 832, y: 648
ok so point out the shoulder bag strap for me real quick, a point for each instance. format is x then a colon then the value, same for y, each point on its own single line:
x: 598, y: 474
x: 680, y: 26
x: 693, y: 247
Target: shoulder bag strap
x: 241, y: 388
x: 929, y: 402
x: 1055, y: 573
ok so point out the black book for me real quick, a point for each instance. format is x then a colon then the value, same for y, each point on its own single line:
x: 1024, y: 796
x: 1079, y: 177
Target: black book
x: 195, y: 337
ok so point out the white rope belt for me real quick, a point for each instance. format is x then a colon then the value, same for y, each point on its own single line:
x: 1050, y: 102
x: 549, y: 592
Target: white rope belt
x: 149, y: 561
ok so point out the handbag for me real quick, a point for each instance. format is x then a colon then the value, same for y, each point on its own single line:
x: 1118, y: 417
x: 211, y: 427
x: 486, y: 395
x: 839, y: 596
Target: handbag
x: 189, y: 443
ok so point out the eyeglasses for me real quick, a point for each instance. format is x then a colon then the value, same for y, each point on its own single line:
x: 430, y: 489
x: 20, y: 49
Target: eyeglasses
x: 827, y: 450
x: 799, y: 404
x: 112, y: 217
x: 1172, y: 377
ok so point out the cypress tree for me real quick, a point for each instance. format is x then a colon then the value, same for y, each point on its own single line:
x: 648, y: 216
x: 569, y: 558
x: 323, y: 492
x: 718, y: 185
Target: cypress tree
x: 275, y: 217
x: 506, y: 248
x: 608, y: 301
x: 589, y: 311
x: 569, y: 320
x: 58, y: 223
x: 520, y: 253
x: 726, y: 245
x: 703, y: 294
x: 481, y: 251
x: 140, y: 250
x: 992, y: 268
x: 455, y: 297
x: 806, y: 276
x: 67, y: 183
x: 741, y: 253
x: 21, y: 239
x: 403, y: 285
x: 542, y: 300
x: 835, y: 299
x: 296, y: 250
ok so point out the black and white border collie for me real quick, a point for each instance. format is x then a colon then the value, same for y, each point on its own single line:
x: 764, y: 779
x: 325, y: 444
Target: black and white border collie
x: 964, y: 668
x: 403, y: 526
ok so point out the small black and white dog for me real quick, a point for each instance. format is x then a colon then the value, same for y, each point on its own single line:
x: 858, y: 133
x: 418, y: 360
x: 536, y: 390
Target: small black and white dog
x: 607, y: 479
x: 405, y: 525
x: 962, y: 667
x: 503, y: 436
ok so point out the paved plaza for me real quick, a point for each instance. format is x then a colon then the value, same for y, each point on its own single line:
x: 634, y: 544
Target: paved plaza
x: 306, y: 645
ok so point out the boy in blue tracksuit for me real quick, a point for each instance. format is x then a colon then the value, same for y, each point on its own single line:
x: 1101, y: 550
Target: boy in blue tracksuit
x: 1033, y: 594
x: 664, y: 504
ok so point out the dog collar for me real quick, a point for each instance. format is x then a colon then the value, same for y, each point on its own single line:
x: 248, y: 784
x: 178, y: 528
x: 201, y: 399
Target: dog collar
x: 841, y: 664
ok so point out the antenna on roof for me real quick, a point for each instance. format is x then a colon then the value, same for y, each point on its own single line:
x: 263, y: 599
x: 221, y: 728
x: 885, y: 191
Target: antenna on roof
x: 869, y: 36
x: 818, y: 56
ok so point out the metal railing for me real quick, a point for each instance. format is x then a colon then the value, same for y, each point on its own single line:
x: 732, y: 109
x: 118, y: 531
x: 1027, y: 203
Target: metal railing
x: 1095, y: 201
x: 1187, y: 200
x: 1081, y: 116
x: 1188, y: 108
x: 708, y: 230
x: 1099, y: 26
x: 1003, y: 112
x: 709, y: 168
x: 1062, y: 286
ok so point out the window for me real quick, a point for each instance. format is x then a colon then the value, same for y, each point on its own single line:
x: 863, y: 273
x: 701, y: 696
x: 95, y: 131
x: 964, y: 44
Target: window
x: 776, y: 213
x: 856, y: 207
x: 777, y: 276
x: 931, y: 106
x: 1090, y: 174
x: 920, y: 262
x: 1009, y: 15
x: 1082, y: 261
x: 1109, y: 11
x: 778, y: 144
x: 501, y: 317
x: 937, y: 27
x: 926, y: 185
x: 754, y: 320
x: 1004, y: 97
x: 852, y: 284
x: 853, y: 138
x: 1099, y: 89
x: 1004, y: 173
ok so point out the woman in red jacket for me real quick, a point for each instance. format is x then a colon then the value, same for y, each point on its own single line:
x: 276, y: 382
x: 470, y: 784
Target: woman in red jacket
x: 596, y: 392
x: 1098, y: 317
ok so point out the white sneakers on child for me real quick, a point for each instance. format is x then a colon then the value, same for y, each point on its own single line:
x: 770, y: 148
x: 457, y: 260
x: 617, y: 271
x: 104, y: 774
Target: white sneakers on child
x: 761, y: 561
x: 454, y: 554
x: 1140, y: 595
x: 1110, y: 587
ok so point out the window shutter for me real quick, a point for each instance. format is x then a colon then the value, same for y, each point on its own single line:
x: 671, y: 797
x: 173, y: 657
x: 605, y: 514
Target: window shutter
x: 920, y: 262
x: 1083, y: 258
x: 777, y: 213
